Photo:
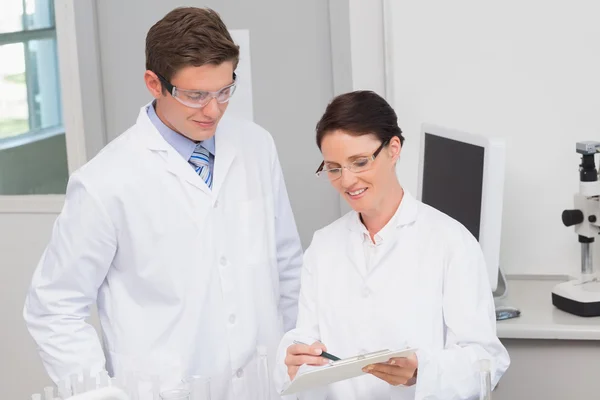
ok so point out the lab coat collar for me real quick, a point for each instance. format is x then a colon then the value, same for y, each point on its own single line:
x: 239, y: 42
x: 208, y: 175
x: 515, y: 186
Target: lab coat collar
x: 154, y: 141
x: 180, y: 167
x: 405, y: 215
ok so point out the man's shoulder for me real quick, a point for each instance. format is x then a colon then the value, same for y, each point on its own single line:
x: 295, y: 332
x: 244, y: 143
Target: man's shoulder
x: 113, y: 160
x: 244, y: 131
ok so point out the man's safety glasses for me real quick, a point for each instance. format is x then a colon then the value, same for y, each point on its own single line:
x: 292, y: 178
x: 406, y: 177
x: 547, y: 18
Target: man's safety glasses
x: 199, y: 98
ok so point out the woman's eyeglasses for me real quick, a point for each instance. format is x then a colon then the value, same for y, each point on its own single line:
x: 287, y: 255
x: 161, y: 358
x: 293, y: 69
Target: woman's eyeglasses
x: 360, y: 164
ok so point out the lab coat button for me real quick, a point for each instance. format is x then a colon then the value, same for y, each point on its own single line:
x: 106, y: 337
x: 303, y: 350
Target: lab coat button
x: 232, y: 319
x: 223, y: 261
x: 216, y: 204
x: 239, y: 373
x: 366, y: 292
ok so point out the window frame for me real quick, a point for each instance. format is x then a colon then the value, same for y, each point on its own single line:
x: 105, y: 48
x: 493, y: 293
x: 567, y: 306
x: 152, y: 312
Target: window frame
x: 76, y: 38
x: 25, y: 36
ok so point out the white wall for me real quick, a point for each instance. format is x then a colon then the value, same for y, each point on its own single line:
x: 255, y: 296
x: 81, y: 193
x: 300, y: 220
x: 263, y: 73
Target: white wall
x: 523, y: 71
x: 357, y: 40
x: 22, y: 240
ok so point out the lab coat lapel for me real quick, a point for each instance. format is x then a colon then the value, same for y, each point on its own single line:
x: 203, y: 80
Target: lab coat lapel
x: 405, y: 216
x: 225, y: 150
x: 355, y: 249
x: 173, y: 161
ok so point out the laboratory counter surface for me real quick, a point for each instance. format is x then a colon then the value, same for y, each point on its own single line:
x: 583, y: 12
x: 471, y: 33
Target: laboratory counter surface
x: 540, y: 319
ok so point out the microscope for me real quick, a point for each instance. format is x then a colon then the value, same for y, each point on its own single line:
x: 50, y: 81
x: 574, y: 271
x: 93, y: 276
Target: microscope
x: 582, y: 296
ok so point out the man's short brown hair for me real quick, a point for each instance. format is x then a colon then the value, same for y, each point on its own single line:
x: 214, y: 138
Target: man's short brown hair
x: 189, y: 36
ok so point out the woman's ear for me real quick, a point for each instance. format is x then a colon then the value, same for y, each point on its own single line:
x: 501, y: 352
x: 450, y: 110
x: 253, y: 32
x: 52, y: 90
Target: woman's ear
x: 394, y: 148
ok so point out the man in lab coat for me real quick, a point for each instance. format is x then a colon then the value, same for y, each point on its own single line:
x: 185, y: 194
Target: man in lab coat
x: 180, y: 230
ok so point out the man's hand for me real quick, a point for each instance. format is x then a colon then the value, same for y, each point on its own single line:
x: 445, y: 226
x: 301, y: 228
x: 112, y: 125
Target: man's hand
x: 299, y: 354
x: 397, y: 371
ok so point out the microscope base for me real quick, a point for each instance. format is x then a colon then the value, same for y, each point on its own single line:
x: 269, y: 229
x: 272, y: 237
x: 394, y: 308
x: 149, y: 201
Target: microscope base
x: 575, y: 297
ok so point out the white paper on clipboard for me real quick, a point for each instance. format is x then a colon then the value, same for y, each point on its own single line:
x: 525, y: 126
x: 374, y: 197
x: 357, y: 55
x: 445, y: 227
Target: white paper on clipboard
x: 341, y: 370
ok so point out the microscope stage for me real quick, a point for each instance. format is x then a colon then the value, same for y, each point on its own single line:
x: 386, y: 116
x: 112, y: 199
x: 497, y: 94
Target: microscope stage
x: 575, y: 297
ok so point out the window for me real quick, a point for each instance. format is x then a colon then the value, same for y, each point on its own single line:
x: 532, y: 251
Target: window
x: 31, y: 129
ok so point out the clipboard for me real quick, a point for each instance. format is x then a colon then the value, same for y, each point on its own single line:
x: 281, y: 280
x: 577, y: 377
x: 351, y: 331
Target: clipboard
x: 341, y: 370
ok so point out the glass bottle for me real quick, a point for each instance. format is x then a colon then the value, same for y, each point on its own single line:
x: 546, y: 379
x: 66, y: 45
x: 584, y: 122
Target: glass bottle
x: 175, y: 394
x: 264, y: 377
x: 199, y: 387
x: 485, y: 380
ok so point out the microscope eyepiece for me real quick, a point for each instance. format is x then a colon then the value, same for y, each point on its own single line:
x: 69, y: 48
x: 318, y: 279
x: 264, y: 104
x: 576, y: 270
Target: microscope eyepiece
x: 587, y: 169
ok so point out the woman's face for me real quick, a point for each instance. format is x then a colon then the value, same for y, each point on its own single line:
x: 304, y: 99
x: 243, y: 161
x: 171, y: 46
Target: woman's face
x: 366, y: 186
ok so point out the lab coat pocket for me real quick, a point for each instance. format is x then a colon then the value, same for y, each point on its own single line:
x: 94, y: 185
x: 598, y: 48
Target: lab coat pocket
x: 257, y: 233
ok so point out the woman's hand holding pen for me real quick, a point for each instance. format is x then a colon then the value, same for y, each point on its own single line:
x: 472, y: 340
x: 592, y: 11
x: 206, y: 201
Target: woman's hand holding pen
x: 397, y: 371
x: 299, y: 354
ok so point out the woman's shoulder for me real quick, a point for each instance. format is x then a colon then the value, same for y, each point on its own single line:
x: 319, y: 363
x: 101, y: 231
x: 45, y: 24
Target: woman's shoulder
x: 336, y: 230
x: 443, y: 224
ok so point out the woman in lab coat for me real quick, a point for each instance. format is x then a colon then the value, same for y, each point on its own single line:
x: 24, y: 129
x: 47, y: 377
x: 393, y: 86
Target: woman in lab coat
x: 390, y: 274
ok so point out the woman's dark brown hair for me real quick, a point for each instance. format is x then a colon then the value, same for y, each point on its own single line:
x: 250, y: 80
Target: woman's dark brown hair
x: 360, y: 113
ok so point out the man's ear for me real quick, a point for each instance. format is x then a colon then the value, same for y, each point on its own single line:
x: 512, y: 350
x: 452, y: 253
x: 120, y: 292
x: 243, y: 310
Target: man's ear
x: 153, y: 84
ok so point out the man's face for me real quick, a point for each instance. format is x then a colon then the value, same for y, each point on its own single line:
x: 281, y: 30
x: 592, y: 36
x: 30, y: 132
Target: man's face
x: 196, y: 124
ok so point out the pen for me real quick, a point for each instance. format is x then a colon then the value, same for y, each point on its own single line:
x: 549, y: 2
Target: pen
x: 324, y: 354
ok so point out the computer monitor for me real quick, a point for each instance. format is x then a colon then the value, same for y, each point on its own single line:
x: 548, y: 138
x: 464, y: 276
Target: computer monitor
x: 462, y: 175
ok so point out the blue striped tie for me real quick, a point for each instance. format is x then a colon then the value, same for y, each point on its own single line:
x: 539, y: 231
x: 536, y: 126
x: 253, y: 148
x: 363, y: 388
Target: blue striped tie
x: 200, y: 161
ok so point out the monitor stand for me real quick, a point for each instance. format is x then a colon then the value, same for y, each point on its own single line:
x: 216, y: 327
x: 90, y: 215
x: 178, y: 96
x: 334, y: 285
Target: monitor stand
x: 503, y: 311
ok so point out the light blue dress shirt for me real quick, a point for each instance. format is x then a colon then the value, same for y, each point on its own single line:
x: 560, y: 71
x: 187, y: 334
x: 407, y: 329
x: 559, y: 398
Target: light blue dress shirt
x: 182, y: 144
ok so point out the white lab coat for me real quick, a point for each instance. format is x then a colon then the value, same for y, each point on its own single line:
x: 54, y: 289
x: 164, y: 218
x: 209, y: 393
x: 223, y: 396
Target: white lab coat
x: 187, y: 280
x: 424, y: 285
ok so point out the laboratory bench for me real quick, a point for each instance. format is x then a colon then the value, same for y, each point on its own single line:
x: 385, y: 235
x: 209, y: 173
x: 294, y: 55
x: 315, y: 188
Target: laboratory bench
x: 554, y: 355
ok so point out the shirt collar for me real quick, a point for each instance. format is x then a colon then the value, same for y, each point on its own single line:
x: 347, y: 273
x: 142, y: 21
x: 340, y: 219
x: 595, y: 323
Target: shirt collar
x: 404, y: 215
x: 180, y: 143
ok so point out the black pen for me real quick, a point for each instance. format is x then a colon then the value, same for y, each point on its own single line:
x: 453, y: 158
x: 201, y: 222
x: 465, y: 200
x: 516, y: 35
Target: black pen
x: 324, y: 354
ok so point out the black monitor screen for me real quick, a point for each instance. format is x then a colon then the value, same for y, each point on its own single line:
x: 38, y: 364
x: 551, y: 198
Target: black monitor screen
x: 453, y: 178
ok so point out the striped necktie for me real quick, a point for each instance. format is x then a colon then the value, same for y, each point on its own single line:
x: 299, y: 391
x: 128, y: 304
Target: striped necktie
x: 200, y: 161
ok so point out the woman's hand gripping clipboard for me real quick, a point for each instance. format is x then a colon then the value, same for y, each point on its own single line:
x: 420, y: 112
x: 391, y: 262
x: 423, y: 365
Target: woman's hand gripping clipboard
x: 341, y: 370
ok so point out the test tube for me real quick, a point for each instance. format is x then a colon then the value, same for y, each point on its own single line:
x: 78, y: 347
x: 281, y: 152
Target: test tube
x: 89, y: 383
x: 132, y: 386
x: 104, y: 379
x: 175, y: 394
x: 199, y: 387
x: 76, y: 384
x: 155, y: 387
x: 485, y: 380
x: 48, y: 393
x: 264, y: 381
x: 64, y: 388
